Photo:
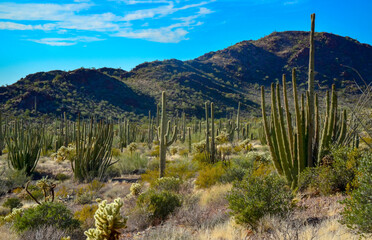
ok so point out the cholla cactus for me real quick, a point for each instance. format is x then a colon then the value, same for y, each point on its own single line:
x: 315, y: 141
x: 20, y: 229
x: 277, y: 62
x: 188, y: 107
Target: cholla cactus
x: 11, y: 216
x: 108, y: 221
x: 64, y: 153
x: 135, y: 189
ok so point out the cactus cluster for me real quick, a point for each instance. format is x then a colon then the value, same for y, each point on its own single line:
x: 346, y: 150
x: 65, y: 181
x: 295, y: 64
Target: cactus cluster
x: 93, y: 146
x: 24, y: 146
x: 293, y: 148
x: 108, y: 221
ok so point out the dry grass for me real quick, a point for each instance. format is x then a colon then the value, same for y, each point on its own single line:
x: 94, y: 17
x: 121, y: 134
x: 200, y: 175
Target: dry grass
x: 6, y: 233
x: 215, y: 196
x: 274, y: 228
x: 226, y: 231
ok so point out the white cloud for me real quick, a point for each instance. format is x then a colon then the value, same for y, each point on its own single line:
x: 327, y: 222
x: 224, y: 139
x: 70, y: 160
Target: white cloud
x: 65, y: 41
x: 132, y: 2
x: 163, y: 35
x: 80, y: 16
x: 35, y: 11
x: 18, y: 26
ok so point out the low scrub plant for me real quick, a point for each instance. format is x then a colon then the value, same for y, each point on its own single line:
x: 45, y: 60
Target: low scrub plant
x: 335, y: 174
x: 48, y: 213
x: 159, y: 204
x: 12, y: 203
x: 358, y: 207
x: 210, y: 175
x: 170, y: 184
x: 257, y: 196
x: 86, y: 215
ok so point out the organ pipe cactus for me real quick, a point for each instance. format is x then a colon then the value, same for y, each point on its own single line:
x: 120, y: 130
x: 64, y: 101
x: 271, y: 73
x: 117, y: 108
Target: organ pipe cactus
x: 164, y: 132
x: 293, y: 148
x: 24, y: 146
x: 93, y: 150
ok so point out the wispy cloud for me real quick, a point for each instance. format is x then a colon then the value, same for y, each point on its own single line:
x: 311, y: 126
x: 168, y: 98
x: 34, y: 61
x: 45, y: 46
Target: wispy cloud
x: 65, y: 41
x: 83, y: 16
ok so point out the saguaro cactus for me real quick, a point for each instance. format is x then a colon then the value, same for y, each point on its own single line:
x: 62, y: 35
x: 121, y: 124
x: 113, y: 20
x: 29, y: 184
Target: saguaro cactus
x: 164, y: 140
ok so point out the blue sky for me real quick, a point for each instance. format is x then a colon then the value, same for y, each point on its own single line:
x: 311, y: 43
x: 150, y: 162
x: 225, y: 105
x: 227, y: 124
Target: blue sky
x: 43, y: 35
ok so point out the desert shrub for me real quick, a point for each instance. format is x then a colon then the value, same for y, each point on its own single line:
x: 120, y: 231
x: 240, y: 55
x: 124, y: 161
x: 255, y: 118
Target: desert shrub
x: 131, y: 162
x: 201, y: 158
x: 170, y: 184
x: 210, y: 175
x: 62, y: 177
x: 336, y: 172
x: 155, y: 152
x: 158, y: 204
x: 183, y: 152
x: 12, y: 203
x: 10, y: 178
x: 257, y: 196
x: 358, y: 207
x: 173, y: 150
x: 84, y: 197
x: 181, y: 169
x: 50, y: 214
x: 95, y: 186
x: 34, y: 190
x: 4, y: 211
x: 115, y: 152
x: 86, y: 215
x: 112, y: 172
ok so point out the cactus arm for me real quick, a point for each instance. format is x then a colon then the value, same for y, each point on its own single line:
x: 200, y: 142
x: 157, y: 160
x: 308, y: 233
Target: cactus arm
x: 274, y: 155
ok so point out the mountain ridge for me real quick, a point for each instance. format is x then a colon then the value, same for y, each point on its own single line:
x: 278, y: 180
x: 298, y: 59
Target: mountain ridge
x: 225, y: 77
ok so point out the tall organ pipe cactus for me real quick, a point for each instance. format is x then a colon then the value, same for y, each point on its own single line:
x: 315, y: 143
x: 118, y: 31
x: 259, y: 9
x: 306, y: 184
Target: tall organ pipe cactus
x: 93, y: 150
x: 24, y: 146
x: 164, y: 133
x: 293, y: 148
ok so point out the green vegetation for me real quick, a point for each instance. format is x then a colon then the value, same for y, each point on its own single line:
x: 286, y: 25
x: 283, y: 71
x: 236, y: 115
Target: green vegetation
x: 358, y: 208
x: 50, y: 214
x: 257, y: 196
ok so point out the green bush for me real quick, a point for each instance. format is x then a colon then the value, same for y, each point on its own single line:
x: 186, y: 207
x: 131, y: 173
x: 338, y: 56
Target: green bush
x: 10, y: 179
x: 170, y: 184
x: 50, y: 214
x: 257, y: 196
x: 233, y: 173
x: 62, y: 177
x: 358, y: 207
x: 12, y: 203
x: 336, y: 173
x: 210, y: 175
x: 158, y: 204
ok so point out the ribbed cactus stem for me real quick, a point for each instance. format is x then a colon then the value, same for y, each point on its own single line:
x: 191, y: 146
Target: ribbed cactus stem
x: 212, y: 134
x: 238, y: 122
x: 164, y: 141
x: 274, y: 156
x: 206, y: 128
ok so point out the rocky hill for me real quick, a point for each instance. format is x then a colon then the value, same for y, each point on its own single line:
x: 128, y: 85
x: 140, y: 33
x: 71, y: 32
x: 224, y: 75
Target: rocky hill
x: 225, y: 77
